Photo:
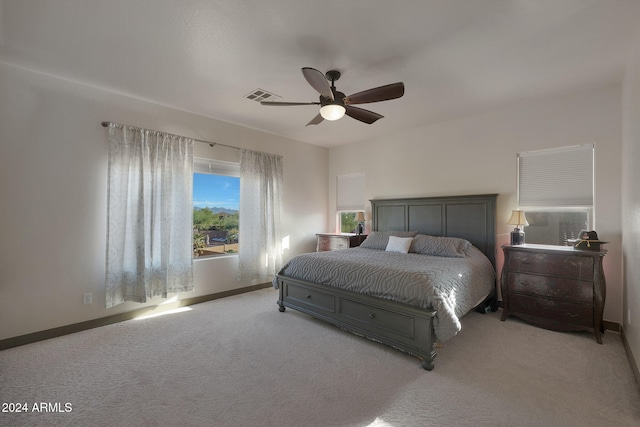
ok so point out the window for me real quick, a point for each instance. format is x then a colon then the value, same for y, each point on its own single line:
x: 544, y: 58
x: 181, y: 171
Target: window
x: 349, y: 201
x: 216, y: 200
x: 348, y: 223
x: 555, y: 189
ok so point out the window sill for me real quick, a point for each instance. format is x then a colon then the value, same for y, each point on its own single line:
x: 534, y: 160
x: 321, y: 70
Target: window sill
x: 207, y: 258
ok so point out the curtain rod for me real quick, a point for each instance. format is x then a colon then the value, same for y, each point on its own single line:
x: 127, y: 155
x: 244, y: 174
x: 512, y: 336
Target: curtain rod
x: 211, y: 144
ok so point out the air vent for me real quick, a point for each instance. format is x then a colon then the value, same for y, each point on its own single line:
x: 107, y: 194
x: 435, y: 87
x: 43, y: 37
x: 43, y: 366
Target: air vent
x: 260, y: 95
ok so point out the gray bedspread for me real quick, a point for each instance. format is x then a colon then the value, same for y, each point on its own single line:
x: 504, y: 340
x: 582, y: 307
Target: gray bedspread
x: 451, y: 286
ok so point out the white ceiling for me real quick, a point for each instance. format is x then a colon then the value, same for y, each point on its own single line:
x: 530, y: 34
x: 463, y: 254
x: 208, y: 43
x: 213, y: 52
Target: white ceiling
x: 455, y: 57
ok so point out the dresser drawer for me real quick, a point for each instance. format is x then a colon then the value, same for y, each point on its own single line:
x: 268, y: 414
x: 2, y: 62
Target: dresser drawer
x: 553, y: 310
x: 303, y: 296
x: 578, y: 267
x: 578, y: 291
x: 375, y: 318
x: 332, y: 243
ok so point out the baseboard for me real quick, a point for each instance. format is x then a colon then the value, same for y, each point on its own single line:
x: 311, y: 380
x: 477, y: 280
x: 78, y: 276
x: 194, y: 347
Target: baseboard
x: 611, y: 326
x: 103, y: 321
x: 632, y: 359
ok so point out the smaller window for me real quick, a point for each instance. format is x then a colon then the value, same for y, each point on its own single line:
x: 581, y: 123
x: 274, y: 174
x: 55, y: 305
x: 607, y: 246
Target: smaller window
x: 555, y: 189
x: 350, y: 192
x: 349, y: 201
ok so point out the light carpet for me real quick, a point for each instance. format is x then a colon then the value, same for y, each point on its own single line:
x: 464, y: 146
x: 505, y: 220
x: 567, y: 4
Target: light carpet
x: 237, y: 361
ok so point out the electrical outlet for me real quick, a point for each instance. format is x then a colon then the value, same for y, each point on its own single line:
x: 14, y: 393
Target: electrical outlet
x: 87, y: 298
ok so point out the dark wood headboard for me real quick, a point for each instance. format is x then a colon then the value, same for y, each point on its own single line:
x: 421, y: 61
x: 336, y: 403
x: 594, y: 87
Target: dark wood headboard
x: 469, y: 217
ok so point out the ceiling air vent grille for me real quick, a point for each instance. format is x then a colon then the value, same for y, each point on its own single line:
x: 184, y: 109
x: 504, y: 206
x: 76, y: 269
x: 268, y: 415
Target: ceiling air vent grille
x: 260, y: 95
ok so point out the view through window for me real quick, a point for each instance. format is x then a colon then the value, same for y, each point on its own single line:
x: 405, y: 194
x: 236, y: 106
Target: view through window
x: 216, y: 201
x: 348, y: 223
x: 555, y: 227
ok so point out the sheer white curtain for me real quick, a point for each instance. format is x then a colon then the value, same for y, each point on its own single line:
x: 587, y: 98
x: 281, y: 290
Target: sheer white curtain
x: 150, y: 215
x: 260, y: 252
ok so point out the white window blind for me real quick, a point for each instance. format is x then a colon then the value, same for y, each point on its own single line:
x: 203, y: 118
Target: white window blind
x: 350, y: 192
x: 561, y: 177
x: 218, y: 167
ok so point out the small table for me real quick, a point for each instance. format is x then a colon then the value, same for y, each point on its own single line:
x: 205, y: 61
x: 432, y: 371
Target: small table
x: 333, y: 241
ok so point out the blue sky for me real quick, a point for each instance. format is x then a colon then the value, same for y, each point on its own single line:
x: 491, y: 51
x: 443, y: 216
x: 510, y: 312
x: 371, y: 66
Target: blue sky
x: 216, y: 191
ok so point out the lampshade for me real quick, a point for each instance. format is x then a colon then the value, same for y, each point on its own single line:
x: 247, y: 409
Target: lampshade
x: 518, y: 218
x: 332, y: 111
x: 360, y: 217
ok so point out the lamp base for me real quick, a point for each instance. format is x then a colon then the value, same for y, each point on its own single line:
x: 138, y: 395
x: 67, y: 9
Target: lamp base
x: 517, y: 237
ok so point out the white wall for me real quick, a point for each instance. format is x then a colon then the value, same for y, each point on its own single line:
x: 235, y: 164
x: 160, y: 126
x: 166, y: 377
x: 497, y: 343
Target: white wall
x: 53, y: 172
x: 477, y: 155
x: 631, y: 200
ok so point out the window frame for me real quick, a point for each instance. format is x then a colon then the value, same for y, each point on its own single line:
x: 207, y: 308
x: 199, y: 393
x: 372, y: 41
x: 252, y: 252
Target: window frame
x: 202, y: 165
x: 349, y: 196
x: 552, y: 167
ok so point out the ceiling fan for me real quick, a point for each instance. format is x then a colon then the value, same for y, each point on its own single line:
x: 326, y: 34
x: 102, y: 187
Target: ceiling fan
x: 334, y: 105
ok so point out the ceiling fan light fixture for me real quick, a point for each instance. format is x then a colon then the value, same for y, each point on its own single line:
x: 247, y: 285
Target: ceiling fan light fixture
x: 332, y: 111
x: 333, y: 104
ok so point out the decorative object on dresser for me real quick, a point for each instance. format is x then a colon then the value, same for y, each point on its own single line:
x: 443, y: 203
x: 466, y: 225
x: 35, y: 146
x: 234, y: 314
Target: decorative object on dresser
x: 333, y: 242
x: 588, y: 241
x: 518, y: 219
x: 457, y: 230
x: 555, y: 287
x: 360, y: 220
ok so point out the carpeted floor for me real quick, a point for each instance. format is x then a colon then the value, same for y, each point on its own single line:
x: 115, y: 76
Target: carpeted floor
x: 239, y: 362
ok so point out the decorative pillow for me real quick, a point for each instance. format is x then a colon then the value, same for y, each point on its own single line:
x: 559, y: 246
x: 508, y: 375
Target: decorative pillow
x: 399, y: 244
x: 440, y: 246
x: 379, y: 239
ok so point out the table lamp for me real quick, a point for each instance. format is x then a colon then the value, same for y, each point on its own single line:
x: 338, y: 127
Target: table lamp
x: 518, y: 219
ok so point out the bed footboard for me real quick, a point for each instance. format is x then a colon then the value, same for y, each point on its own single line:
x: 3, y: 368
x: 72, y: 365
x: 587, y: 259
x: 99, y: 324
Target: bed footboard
x: 404, y: 327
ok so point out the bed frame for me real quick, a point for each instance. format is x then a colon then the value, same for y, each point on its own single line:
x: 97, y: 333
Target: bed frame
x: 405, y: 327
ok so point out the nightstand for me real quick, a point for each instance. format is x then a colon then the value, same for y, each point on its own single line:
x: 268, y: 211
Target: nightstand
x: 332, y: 242
x: 554, y: 287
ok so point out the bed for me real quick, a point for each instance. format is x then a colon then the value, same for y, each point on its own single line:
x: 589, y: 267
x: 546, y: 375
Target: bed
x: 412, y: 300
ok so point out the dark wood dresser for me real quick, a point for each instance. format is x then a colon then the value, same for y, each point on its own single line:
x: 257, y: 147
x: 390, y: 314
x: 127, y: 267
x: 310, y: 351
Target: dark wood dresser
x: 554, y: 287
x: 332, y: 242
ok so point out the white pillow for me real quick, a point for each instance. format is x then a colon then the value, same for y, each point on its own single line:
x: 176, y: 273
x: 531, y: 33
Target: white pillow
x: 399, y: 244
x: 380, y: 239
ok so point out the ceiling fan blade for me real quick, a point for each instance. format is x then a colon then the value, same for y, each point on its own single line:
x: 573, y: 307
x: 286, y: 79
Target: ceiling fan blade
x: 318, y: 81
x: 363, y: 115
x: 278, y: 103
x: 382, y: 93
x: 317, y: 119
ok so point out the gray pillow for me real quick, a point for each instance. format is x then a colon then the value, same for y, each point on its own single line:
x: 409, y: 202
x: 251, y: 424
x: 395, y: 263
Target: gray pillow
x: 440, y: 246
x: 379, y: 239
